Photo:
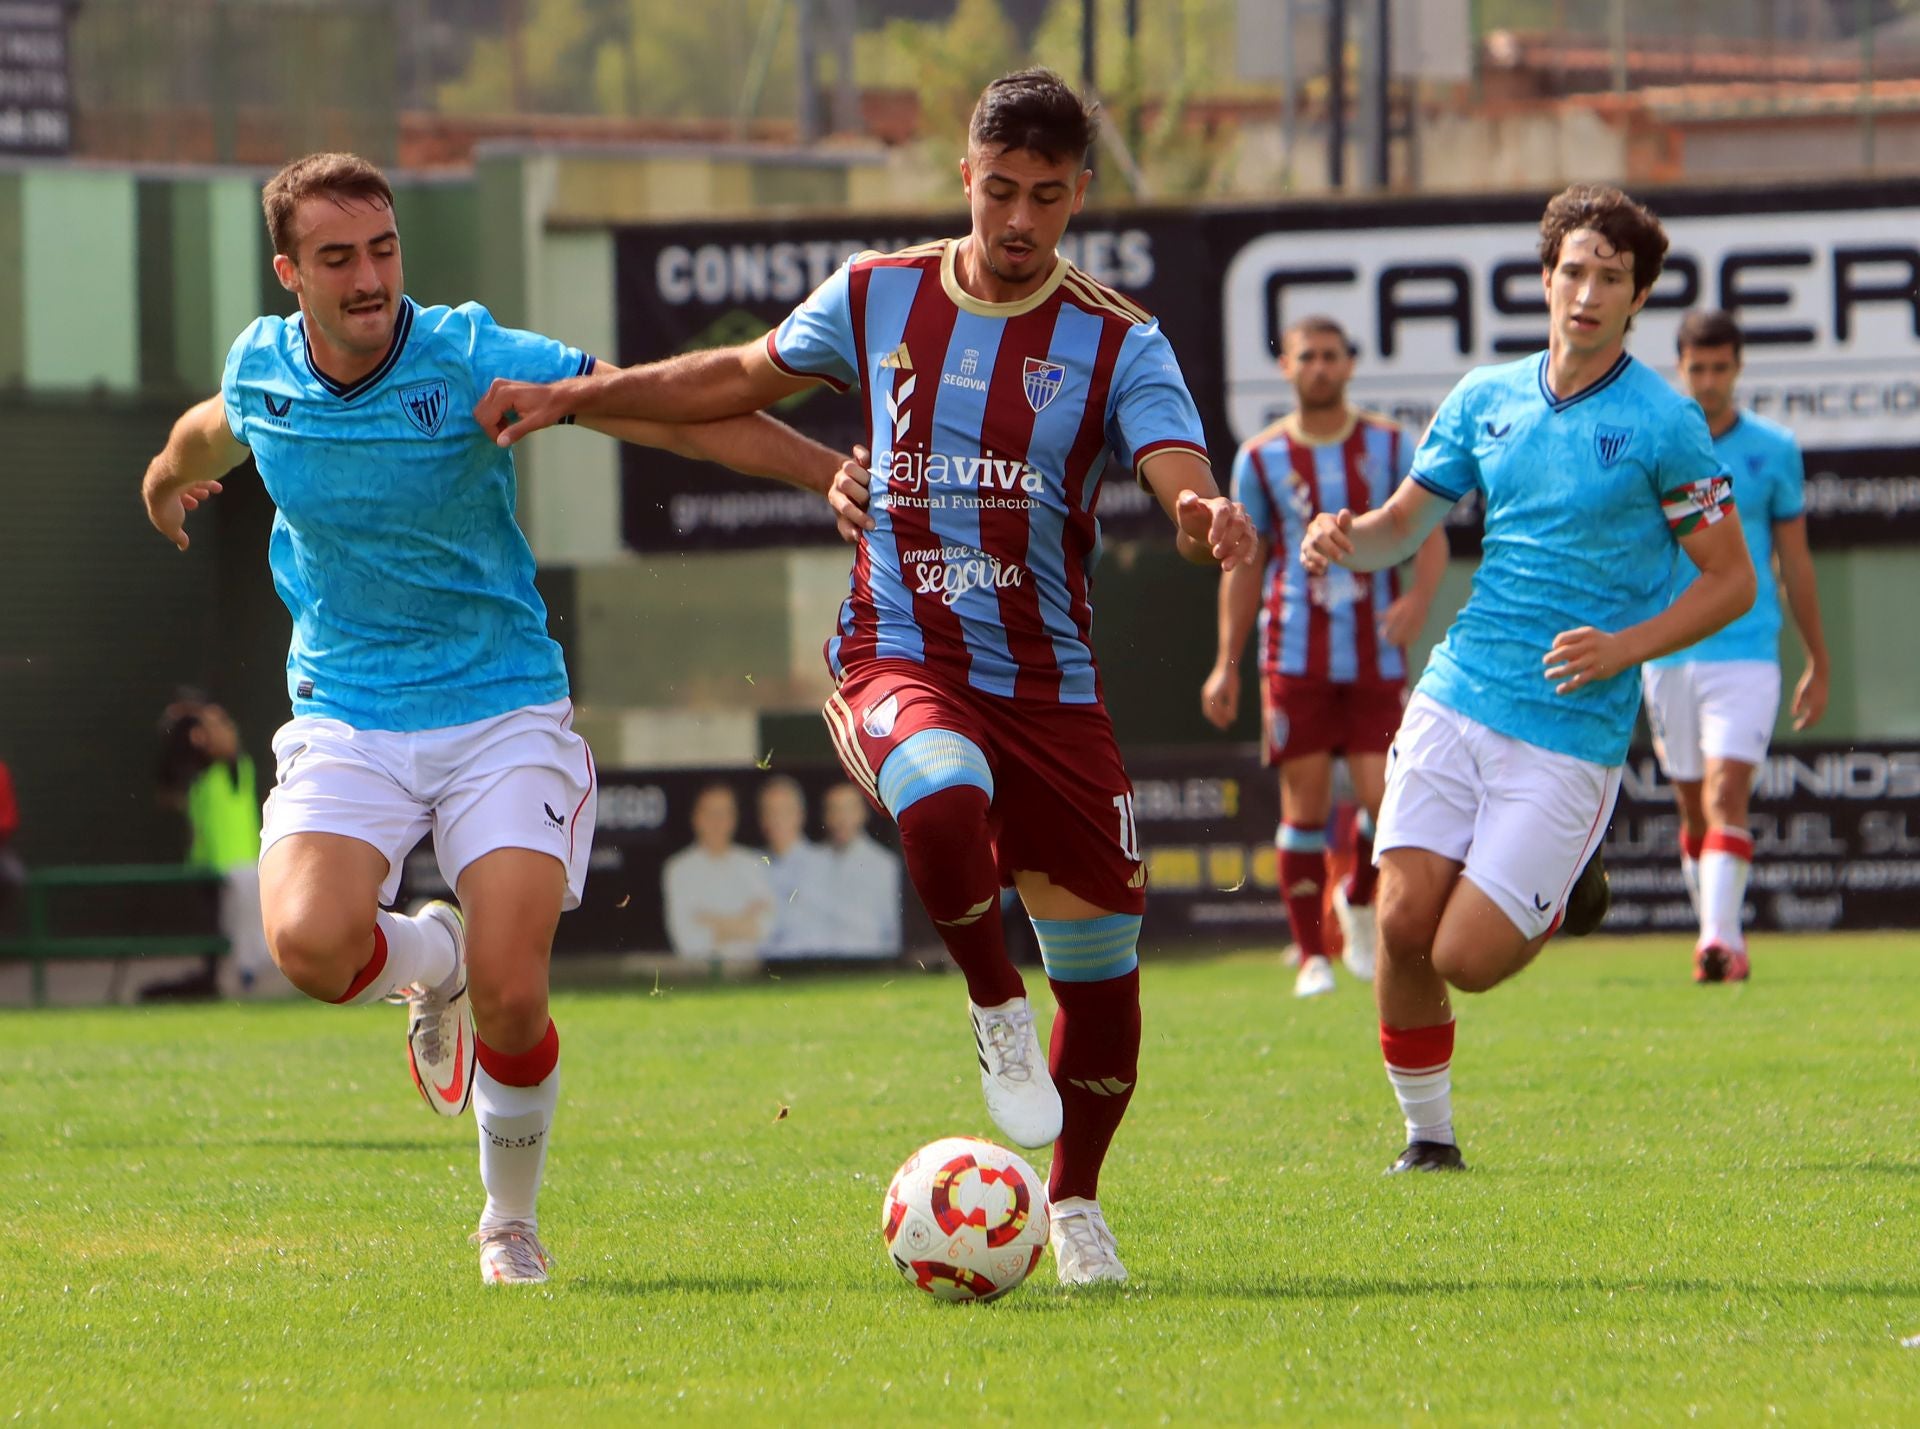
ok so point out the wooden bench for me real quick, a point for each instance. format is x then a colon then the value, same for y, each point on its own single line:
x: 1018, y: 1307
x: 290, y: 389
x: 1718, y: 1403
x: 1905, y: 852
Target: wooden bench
x: 41, y: 945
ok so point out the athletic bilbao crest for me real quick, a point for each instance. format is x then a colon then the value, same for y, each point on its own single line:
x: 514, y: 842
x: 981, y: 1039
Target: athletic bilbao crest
x: 425, y: 404
x: 1042, y: 380
x: 1610, y: 443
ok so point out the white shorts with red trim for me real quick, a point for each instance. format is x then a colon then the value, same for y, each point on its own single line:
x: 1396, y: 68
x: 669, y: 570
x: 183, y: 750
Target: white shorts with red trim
x: 1524, y: 820
x: 523, y: 779
x: 1711, y: 709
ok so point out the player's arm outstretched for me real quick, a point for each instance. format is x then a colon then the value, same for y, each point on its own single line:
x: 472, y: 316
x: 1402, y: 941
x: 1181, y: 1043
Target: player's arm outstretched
x: 1377, y: 539
x: 701, y: 386
x: 753, y: 445
x: 1212, y: 529
x: 1803, y: 599
x: 187, y: 471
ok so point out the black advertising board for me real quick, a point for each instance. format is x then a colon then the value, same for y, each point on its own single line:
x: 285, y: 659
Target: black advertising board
x: 1825, y: 278
x: 1836, y: 839
x: 36, y: 94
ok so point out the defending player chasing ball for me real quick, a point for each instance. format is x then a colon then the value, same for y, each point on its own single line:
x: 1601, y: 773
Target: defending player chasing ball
x: 998, y: 383
x: 1505, y: 771
x: 426, y: 692
x: 1712, y: 705
x: 1332, y: 649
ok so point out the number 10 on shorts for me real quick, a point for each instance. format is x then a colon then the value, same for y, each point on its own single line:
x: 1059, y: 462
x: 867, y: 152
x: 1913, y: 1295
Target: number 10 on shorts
x: 1129, y: 830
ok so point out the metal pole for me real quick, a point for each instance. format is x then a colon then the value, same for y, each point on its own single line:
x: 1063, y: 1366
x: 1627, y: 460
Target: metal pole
x: 1383, y: 93
x: 807, y: 62
x: 1617, y: 25
x: 1865, y: 11
x: 1336, y: 94
x: 1089, y: 43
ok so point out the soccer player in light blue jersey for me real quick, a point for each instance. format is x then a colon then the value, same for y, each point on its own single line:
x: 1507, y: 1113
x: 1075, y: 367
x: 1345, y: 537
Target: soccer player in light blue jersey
x: 426, y: 692
x: 1712, y: 705
x: 1597, y: 475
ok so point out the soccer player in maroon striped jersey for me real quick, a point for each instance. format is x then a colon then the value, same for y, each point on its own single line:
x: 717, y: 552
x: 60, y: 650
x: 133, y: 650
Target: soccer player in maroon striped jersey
x: 1001, y: 385
x: 1332, y: 648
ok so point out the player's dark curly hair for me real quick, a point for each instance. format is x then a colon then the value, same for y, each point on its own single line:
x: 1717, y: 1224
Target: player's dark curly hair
x: 1036, y: 110
x: 1628, y: 226
x: 1709, y: 327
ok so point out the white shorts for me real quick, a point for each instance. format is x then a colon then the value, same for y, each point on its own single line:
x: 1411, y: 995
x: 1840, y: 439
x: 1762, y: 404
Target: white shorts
x: 1524, y: 820
x: 1711, y: 709
x: 523, y: 779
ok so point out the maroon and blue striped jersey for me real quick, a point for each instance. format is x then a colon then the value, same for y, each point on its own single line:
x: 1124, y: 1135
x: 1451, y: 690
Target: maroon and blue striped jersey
x: 1322, y: 627
x: 991, y: 426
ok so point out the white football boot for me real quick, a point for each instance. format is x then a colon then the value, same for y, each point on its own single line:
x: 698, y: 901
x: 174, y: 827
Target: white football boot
x: 1084, y: 1252
x: 1315, y: 978
x: 1020, y: 1094
x: 440, y: 1039
x: 511, y: 1254
x: 1360, y: 930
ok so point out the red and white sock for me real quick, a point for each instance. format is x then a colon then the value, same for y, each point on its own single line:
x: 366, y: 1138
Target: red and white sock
x: 514, y: 1096
x: 405, y: 951
x: 1726, y: 859
x: 1691, y: 846
x: 1420, y: 1067
x: 1303, y: 877
x: 948, y: 850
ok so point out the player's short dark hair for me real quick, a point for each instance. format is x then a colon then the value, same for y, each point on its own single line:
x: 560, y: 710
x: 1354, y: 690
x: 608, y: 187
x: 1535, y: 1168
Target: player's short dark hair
x: 1036, y: 110
x: 1628, y: 226
x: 1321, y: 324
x: 334, y: 176
x: 1709, y: 327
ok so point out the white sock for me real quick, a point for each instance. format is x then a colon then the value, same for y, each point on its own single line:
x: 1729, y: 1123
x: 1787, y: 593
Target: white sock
x: 1690, y: 872
x: 1724, y: 865
x: 419, y: 949
x: 1426, y: 1101
x: 514, y: 1127
x: 1420, y: 1069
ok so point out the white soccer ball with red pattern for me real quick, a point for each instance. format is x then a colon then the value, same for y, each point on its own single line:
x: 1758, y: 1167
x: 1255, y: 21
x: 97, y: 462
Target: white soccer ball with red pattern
x: 965, y: 1219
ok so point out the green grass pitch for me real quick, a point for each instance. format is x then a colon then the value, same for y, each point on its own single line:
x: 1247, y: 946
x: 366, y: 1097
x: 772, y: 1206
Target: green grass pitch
x: 1685, y: 1204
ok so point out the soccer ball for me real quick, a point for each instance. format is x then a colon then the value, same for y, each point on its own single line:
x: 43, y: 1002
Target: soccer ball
x: 965, y: 1219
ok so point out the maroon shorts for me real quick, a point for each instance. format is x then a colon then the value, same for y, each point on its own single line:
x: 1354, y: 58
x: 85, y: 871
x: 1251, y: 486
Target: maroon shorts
x: 1062, y: 803
x: 1302, y: 717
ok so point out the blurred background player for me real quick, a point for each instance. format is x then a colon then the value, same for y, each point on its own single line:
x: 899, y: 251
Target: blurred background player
x: 719, y: 903
x: 1712, y: 705
x: 426, y: 691
x: 969, y: 703
x: 13, y: 873
x: 1332, y: 649
x: 1507, y: 765
x: 209, y: 778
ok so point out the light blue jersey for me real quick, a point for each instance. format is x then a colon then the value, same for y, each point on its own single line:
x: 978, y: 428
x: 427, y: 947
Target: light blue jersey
x: 1585, y: 497
x: 394, y: 543
x: 1769, y: 479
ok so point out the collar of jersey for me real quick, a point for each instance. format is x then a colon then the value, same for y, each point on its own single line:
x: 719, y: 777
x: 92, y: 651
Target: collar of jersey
x: 347, y: 391
x: 980, y: 307
x: 1560, y: 404
x: 1290, y: 427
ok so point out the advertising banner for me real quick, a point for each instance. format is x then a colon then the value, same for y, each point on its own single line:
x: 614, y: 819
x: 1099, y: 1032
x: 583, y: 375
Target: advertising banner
x: 36, y: 94
x: 1825, y: 280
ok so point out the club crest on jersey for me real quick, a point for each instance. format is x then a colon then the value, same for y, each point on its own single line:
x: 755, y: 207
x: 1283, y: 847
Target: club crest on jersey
x: 425, y: 404
x: 1042, y: 381
x: 1610, y: 443
x: 878, y: 721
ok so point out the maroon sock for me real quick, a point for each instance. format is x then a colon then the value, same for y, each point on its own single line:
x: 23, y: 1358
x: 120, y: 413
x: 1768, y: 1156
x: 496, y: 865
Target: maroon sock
x: 1361, y: 881
x: 950, y: 860
x: 1303, y: 878
x: 1095, y: 1060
